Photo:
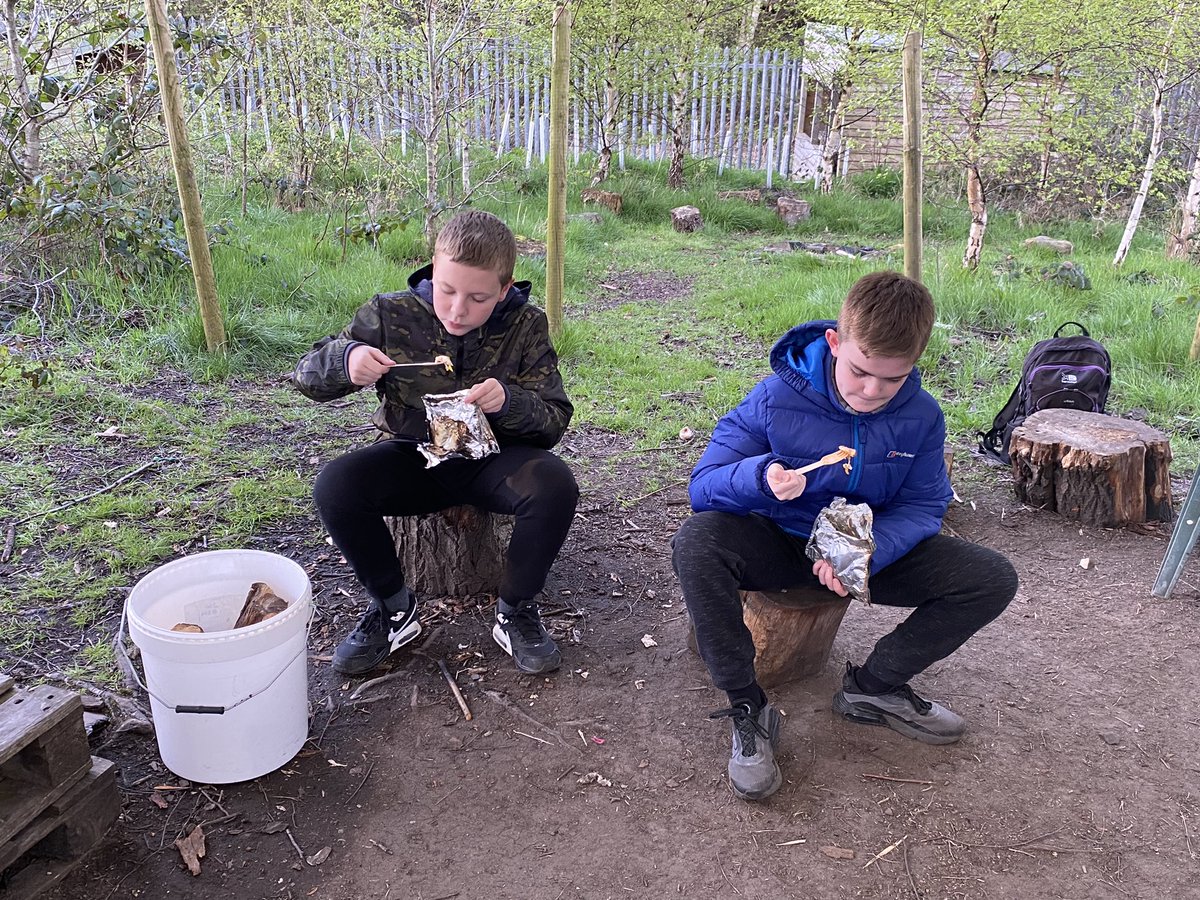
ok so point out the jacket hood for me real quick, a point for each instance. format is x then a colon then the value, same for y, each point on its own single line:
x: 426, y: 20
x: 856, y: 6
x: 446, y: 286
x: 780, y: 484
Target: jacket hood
x: 420, y: 283
x: 801, y: 358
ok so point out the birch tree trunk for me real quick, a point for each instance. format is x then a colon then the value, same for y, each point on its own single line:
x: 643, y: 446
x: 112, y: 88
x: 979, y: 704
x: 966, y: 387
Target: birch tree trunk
x: 608, y: 125
x: 1139, y: 199
x: 1179, y: 246
x: 833, y: 140
x: 1156, y: 143
x: 31, y: 160
x: 837, y: 122
x: 431, y: 126
x: 976, y: 195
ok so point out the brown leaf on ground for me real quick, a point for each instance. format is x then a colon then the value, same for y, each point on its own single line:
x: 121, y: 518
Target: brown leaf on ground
x: 191, y: 848
x: 837, y: 852
x: 159, y: 800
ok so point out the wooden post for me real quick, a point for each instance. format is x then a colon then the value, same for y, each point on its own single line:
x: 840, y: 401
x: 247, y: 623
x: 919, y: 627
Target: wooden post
x: 556, y: 212
x: 912, y: 155
x: 185, y: 175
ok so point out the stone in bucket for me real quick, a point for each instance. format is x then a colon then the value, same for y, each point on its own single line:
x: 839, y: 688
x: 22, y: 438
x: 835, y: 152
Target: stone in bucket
x: 261, y: 604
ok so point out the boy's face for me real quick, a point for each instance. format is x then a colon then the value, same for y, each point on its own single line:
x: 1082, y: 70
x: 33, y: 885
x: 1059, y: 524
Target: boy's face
x: 464, y: 296
x: 866, y: 383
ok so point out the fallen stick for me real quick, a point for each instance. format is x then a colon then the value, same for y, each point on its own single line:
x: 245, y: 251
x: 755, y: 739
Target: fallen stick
x: 899, y: 780
x: 497, y: 697
x: 462, y: 703
x: 12, y: 526
x: 885, y: 851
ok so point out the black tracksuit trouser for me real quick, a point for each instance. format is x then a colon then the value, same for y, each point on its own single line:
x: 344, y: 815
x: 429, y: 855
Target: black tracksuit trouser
x: 354, y: 493
x: 954, y: 588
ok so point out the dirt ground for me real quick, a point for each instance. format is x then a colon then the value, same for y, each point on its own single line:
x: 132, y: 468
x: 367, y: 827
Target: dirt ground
x: 605, y: 780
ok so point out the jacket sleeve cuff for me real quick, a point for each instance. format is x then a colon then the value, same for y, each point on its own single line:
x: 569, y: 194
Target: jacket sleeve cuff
x: 346, y: 358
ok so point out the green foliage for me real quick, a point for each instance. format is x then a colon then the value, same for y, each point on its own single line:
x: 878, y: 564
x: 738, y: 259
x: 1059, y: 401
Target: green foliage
x: 879, y: 183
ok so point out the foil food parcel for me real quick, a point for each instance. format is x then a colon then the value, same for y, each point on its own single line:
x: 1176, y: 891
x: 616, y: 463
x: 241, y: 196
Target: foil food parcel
x: 842, y: 537
x: 457, y: 430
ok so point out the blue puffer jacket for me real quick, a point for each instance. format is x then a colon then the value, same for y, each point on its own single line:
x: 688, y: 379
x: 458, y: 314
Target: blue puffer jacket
x: 794, y: 417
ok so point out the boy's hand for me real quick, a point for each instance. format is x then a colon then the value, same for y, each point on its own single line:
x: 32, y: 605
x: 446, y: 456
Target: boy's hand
x: 366, y: 365
x: 786, y: 484
x: 824, y: 573
x: 488, y: 395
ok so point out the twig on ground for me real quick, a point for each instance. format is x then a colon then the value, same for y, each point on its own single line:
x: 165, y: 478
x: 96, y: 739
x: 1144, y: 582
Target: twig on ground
x: 382, y: 679
x: 721, y: 866
x: 361, y: 783
x: 462, y: 703
x: 884, y: 852
x: 96, y: 493
x: 659, y: 491
x: 497, y: 697
x: 899, y: 780
x: 908, y: 869
x: 299, y: 852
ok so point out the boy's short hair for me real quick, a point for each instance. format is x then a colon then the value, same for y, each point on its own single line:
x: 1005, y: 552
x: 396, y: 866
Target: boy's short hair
x: 887, y: 314
x: 480, y: 240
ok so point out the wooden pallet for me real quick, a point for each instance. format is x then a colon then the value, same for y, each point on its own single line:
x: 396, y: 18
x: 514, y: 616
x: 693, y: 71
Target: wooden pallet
x: 46, y: 849
x: 43, y: 751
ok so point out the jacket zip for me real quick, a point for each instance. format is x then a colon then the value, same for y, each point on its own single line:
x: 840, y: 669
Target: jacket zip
x: 856, y: 443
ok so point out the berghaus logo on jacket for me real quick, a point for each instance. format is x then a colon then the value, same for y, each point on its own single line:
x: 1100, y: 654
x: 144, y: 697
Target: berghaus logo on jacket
x: 894, y: 454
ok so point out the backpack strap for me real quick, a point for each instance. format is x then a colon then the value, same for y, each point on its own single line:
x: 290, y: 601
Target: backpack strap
x: 1082, y: 330
x: 991, y: 443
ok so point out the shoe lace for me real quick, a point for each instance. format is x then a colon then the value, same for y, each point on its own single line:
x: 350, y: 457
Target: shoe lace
x: 371, y: 620
x: 746, y: 723
x: 528, y: 624
x: 920, y: 704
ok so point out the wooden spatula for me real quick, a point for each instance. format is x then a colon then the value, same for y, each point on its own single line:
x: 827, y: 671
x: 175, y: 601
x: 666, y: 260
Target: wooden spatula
x: 840, y: 455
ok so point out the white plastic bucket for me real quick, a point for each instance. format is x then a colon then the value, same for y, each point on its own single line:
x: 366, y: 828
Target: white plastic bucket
x: 229, y: 704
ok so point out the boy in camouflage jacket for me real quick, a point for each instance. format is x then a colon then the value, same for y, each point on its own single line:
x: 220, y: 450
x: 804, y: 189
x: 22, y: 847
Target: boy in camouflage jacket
x: 464, y: 306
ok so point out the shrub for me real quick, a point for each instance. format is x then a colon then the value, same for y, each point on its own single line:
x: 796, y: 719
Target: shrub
x: 879, y: 183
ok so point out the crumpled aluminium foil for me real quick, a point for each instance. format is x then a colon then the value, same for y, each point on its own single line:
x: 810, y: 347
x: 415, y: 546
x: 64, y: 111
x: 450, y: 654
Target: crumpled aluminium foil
x: 457, y: 430
x: 841, y: 536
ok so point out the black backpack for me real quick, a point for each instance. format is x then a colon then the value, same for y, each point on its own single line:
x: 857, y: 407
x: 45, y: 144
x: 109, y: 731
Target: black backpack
x: 1060, y: 372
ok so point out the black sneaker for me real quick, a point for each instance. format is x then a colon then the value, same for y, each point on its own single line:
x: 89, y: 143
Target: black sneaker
x: 900, y: 709
x: 519, y: 632
x: 753, y: 772
x: 375, y: 637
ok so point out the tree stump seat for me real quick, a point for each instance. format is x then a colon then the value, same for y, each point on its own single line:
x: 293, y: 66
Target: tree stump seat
x: 1098, y: 469
x: 793, y: 631
x: 457, y: 552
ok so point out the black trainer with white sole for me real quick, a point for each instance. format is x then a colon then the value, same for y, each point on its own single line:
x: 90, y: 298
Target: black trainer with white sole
x: 520, y: 633
x: 376, y: 636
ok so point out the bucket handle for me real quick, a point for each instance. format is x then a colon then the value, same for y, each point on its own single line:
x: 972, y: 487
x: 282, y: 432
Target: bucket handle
x: 119, y: 645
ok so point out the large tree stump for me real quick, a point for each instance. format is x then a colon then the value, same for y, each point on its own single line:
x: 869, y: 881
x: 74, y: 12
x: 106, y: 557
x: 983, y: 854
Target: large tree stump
x: 458, y: 552
x: 1095, y: 468
x: 793, y: 631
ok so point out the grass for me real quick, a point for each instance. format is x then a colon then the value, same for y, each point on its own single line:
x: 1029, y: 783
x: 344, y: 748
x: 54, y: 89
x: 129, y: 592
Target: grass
x: 128, y: 358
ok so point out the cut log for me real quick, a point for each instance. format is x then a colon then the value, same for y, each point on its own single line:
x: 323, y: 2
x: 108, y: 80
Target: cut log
x: 686, y: 219
x: 1097, y: 469
x: 458, y: 552
x: 793, y: 631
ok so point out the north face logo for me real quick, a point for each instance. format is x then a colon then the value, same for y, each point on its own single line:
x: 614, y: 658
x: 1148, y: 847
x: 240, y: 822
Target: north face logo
x: 1070, y: 378
x: 892, y: 454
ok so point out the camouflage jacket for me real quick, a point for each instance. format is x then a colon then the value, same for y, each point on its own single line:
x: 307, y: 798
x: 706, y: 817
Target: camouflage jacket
x: 513, y: 346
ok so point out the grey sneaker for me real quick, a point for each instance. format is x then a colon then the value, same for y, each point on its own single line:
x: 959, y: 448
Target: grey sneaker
x: 753, y: 772
x: 520, y: 633
x: 376, y: 636
x: 900, y: 709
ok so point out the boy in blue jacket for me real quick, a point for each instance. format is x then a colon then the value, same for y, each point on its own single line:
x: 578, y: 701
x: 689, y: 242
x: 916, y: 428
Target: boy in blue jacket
x: 853, y: 383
